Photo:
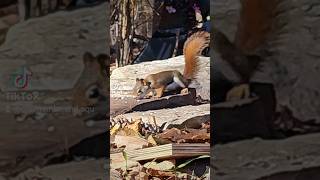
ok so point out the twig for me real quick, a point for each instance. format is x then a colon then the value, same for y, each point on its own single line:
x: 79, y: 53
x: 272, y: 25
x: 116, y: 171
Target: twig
x: 153, y: 9
x: 177, y: 43
x: 140, y: 37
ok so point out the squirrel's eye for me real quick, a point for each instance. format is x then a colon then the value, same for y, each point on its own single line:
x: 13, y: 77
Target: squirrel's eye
x: 93, y: 92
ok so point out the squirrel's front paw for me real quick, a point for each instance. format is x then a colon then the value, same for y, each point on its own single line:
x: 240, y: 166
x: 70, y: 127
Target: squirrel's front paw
x: 156, y: 97
x: 238, y: 92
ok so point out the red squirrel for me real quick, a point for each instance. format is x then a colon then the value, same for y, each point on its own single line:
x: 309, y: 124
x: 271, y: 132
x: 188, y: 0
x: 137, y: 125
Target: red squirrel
x: 158, y: 83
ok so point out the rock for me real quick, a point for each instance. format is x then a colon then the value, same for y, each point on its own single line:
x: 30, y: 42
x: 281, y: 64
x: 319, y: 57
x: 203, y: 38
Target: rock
x: 301, y: 174
x: 51, y: 49
x: 123, y: 79
x: 256, y: 158
x: 83, y: 170
x: 226, y: 15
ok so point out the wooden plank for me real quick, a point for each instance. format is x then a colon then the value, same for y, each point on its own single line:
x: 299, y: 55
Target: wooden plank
x: 166, y: 151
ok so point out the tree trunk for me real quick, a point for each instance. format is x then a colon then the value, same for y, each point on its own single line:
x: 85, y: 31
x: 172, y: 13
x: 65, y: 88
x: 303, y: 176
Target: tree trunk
x: 125, y: 18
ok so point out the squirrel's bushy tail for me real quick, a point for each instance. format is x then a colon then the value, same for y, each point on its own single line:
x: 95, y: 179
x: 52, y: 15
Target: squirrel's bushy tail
x: 192, y: 49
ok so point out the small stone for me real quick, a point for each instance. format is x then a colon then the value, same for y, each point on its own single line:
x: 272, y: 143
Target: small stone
x: 90, y: 123
x: 51, y: 128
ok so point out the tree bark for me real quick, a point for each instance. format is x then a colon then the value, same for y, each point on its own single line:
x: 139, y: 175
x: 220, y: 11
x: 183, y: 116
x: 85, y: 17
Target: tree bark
x: 125, y: 32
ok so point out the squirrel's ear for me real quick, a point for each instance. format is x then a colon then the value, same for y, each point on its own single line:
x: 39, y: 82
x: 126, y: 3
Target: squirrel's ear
x: 104, y: 62
x: 87, y: 58
x: 145, y: 83
x: 148, y: 83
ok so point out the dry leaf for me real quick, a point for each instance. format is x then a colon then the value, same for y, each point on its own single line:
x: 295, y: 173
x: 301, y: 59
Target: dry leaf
x: 169, y: 133
x: 197, y: 131
x: 136, y: 125
x: 131, y: 142
x: 142, y: 176
x: 162, y: 166
x: 128, y: 132
x: 114, y: 129
x: 151, y: 140
x: 185, y: 136
x: 158, y: 173
x: 161, y: 141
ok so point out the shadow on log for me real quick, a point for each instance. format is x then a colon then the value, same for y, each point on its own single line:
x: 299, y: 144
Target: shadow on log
x: 126, y: 105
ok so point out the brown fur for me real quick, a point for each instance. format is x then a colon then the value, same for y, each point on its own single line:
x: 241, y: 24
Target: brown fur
x: 192, y: 49
x: 256, y: 23
x: 92, y: 85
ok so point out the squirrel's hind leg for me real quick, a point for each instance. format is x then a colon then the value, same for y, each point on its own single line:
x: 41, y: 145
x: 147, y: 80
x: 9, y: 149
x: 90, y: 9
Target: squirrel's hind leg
x: 180, y: 80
